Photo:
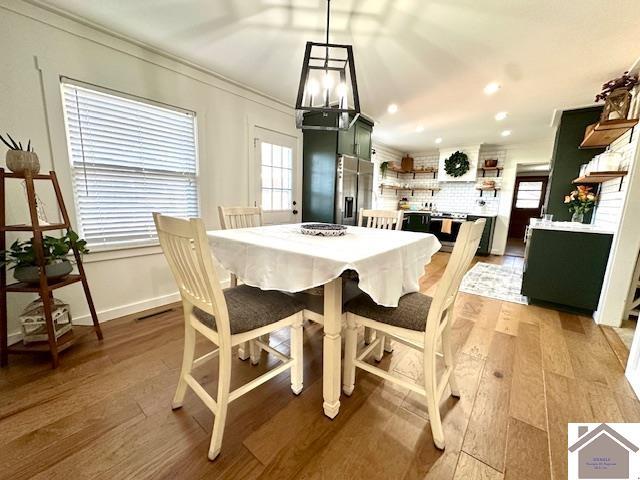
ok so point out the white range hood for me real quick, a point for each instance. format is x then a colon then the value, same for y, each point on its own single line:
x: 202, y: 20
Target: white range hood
x: 473, y: 152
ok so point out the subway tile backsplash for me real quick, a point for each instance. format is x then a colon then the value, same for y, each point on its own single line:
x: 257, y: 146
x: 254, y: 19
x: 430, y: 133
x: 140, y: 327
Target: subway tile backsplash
x: 452, y: 197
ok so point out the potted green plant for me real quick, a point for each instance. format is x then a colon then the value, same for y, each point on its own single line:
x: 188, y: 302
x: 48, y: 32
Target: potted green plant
x: 21, y: 160
x: 580, y: 201
x: 383, y: 167
x: 21, y: 257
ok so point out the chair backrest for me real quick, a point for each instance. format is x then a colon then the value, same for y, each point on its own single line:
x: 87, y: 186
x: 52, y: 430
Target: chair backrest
x: 463, y: 252
x: 386, y: 219
x: 240, y: 217
x: 185, y: 245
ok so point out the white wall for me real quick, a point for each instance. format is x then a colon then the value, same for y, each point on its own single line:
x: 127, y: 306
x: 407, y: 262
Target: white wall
x: 39, y: 47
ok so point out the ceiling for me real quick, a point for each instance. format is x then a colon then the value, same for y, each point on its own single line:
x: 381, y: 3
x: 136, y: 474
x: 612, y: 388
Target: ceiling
x: 431, y: 58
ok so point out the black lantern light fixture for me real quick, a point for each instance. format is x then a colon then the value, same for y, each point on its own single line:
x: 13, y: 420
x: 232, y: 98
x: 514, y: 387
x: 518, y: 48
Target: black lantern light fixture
x: 328, y: 92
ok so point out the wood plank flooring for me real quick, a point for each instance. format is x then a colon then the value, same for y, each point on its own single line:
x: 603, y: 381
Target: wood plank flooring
x: 523, y: 371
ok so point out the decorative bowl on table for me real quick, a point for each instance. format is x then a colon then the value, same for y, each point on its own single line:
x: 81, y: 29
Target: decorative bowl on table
x: 323, y: 229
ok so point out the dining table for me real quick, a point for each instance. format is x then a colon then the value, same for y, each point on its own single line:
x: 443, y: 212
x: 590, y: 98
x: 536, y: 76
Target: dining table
x: 389, y: 264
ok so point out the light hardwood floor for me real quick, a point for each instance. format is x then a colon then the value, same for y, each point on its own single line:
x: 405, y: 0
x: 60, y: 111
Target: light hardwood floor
x: 524, y: 372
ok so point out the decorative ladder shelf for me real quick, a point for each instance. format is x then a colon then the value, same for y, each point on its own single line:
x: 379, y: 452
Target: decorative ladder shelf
x: 44, y: 288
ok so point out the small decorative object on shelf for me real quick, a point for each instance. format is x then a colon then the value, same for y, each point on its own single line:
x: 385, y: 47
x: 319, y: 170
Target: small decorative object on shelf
x: 580, y: 201
x: 22, y: 257
x: 20, y: 159
x: 488, y: 183
x: 491, y: 163
x: 457, y: 164
x: 403, y: 204
x: 34, y: 324
x: 616, y: 95
x: 407, y: 163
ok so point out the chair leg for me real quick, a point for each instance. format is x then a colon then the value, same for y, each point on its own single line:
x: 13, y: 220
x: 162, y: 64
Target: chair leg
x: 296, y: 354
x: 350, y: 349
x: 187, y: 358
x: 447, y: 353
x: 224, y: 383
x: 255, y: 351
x: 243, y: 351
x: 433, y: 407
x: 369, y: 335
x: 378, y: 352
x: 388, y: 346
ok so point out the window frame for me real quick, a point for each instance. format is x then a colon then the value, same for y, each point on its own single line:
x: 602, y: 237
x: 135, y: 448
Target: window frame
x: 102, y: 252
x: 532, y: 179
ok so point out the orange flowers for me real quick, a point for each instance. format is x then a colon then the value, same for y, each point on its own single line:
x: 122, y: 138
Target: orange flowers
x: 581, y: 200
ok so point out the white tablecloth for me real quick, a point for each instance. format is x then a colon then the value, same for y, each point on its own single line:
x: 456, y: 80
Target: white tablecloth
x: 278, y: 257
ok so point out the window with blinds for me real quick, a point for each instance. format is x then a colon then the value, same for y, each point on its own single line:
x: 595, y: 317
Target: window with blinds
x: 129, y: 159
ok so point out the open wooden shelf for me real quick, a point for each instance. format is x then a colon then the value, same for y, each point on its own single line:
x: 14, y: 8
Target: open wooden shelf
x: 399, y: 170
x: 30, y: 228
x: 406, y: 189
x: 484, y: 170
x: 63, y: 342
x: 26, y: 287
x: 602, y: 134
x: 488, y: 189
x: 599, y: 177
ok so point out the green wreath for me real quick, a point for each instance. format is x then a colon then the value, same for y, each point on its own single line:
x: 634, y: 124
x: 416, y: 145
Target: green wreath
x: 457, y: 164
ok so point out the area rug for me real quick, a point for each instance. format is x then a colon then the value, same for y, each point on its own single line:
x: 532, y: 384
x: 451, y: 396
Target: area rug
x: 494, y: 281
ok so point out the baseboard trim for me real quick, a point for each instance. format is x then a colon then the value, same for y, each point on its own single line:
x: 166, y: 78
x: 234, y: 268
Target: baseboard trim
x: 124, y: 310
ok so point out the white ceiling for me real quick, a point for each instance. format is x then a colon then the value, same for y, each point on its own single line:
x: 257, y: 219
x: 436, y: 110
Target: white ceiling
x: 432, y: 58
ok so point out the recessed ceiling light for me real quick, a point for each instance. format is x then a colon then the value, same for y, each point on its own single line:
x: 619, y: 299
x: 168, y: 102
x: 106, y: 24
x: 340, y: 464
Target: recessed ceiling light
x: 419, y: 129
x: 491, y: 88
x: 500, y: 116
x: 506, y: 133
x: 393, y: 108
x: 438, y: 140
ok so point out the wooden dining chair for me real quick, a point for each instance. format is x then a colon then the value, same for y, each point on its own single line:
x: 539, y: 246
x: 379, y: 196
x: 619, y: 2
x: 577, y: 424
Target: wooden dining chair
x: 242, y: 217
x: 383, y: 219
x: 420, y: 322
x: 387, y: 219
x: 226, y: 318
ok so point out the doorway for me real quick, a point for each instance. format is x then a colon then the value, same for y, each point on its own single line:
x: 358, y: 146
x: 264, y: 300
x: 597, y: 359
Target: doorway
x: 528, y: 197
x: 277, y: 170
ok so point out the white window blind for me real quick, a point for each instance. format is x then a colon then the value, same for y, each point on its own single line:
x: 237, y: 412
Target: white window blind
x: 129, y: 159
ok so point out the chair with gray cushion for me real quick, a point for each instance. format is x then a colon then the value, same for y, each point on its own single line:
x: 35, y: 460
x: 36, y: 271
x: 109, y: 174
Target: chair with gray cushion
x: 226, y: 318
x: 420, y: 322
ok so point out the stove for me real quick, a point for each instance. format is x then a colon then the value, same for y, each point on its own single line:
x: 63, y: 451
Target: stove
x: 454, y: 215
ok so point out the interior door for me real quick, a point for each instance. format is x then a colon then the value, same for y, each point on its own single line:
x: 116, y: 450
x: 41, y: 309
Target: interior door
x: 278, y: 167
x: 528, y: 198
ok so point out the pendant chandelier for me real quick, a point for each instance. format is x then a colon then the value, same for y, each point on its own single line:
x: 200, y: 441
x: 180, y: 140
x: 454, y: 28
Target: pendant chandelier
x: 328, y: 92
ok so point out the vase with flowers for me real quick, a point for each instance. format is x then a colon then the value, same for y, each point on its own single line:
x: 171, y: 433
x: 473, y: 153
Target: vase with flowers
x: 580, y: 201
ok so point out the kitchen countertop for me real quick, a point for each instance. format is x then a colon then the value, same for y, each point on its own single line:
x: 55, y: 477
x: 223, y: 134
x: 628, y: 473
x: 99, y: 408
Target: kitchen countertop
x: 569, y: 227
x: 438, y: 213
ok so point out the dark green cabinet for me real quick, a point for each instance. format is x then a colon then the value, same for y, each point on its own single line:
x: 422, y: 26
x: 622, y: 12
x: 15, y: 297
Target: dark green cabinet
x: 416, y: 222
x: 566, y: 268
x: 320, y: 152
x: 357, y: 140
x: 487, y: 234
x: 567, y: 158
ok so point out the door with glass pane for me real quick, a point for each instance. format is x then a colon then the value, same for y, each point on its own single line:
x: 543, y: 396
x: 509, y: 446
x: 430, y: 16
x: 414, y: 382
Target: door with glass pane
x: 278, y: 170
x: 528, y: 198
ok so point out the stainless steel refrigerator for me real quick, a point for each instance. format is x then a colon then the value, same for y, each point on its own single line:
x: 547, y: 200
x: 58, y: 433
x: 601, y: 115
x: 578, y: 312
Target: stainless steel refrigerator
x: 354, y: 188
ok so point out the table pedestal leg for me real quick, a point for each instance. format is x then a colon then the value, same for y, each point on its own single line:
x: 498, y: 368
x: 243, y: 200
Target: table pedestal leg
x: 332, y: 347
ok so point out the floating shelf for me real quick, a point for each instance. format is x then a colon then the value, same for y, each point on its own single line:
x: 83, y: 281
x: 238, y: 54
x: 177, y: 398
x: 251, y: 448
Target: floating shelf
x: 488, y: 189
x: 406, y: 189
x: 602, y: 134
x: 484, y: 170
x: 399, y: 170
x: 599, y: 177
